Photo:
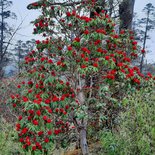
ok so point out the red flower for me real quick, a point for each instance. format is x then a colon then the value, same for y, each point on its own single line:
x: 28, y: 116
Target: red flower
x: 56, y: 132
x: 56, y: 110
x: 40, y: 133
x: 127, y: 59
x: 83, y: 66
x: 18, y: 125
x: 77, y: 39
x: 45, y: 118
x: 38, y: 112
x: 101, y: 31
x: 111, y: 77
x: 61, y: 110
x: 50, y: 111
x: 31, y: 112
x: 46, y: 140
x: 37, y: 41
x: 82, y: 55
x: 134, y: 47
x: 12, y: 96
x: 14, y: 105
x: 29, y: 118
x: 35, y: 122
x: 122, y: 32
x: 149, y: 74
x: 97, y: 42
x: 59, y: 63
x: 70, y: 25
x: 38, y: 145
x: 49, y: 132
x: 136, y: 80
x: 107, y: 16
x: 24, y: 146
x: 115, y: 36
x: 35, y: 4
x: 18, y: 86
x: 86, y: 32
x: 69, y: 48
x: 84, y: 49
x: 20, y: 118
x: 30, y: 83
x: 33, y: 148
x: 87, y: 19
x: 21, y: 140
x: 25, y: 99
x: 73, y: 13
x: 49, y: 120
x: 68, y: 14
x: 99, y: 50
x: 37, y: 101
x: 24, y: 131
x: 86, y: 59
x: 30, y: 91
x: 143, y: 50
x: 53, y: 73
x: 107, y: 57
x: 50, y: 61
x: 64, y: 112
x: 28, y: 143
x: 55, y: 99
x: 95, y: 64
x: 134, y: 43
x: 47, y: 101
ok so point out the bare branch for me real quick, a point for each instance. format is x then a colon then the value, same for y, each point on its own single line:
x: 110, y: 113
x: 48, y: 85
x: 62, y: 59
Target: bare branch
x: 9, y: 42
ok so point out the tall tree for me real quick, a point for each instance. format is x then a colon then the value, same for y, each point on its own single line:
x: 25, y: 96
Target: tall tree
x: 147, y: 24
x: 5, y: 33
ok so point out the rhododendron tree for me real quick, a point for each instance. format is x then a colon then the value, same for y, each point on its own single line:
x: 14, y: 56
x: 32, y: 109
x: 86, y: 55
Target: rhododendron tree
x: 75, y: 77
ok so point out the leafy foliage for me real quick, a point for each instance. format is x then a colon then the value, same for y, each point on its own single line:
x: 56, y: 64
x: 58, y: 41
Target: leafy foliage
x: 8, y: 136
x: 136, y: 131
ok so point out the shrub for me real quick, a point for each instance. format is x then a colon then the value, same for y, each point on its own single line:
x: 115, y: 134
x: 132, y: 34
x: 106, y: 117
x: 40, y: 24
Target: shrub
x: 8, y: 137
x: 136, y: 132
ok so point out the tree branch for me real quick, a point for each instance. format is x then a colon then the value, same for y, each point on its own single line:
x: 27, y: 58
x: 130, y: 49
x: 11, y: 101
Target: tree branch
x: 30, y: 6
x: 9, y: 42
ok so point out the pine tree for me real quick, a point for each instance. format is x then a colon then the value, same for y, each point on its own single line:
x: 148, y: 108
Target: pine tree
x: 5, y: 33
x: 148, y: 24
x: 22, y: 49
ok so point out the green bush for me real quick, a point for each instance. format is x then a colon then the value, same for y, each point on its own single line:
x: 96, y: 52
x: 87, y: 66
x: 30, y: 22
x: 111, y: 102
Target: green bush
x: 8, y: 142
x: 136, y: 131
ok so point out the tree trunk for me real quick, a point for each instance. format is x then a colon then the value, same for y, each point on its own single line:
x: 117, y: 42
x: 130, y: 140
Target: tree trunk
x: 110, y: 7
x: 126, y: 9
x: 1, y: 40
x: 144, y: 43
x: 83, y: 142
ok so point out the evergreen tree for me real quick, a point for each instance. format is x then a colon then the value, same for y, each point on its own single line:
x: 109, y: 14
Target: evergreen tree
x: 5, y: 33
x: 22, y: 49
x: 148, y: 24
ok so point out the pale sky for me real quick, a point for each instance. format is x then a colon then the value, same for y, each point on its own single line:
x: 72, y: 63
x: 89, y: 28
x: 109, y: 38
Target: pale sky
x: 19, y: 7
